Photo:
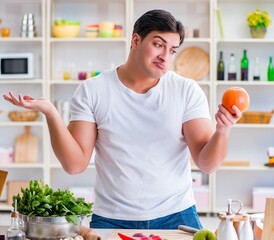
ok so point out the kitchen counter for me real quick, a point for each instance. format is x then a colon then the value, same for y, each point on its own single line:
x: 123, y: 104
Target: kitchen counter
x: 111, y: 234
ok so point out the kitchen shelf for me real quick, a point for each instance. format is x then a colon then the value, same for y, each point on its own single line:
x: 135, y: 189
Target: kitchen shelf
x: 58, y: 166
x: 88, y: 40
x: 22, y: 124
x: 65, y: 82
x: 23, y: 165
x: 20, y: 39
x: 33, y: 81
x: 247, y: 168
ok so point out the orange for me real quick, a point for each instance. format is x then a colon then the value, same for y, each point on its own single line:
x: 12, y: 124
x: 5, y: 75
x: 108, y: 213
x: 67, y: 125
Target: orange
x: 236, y: 96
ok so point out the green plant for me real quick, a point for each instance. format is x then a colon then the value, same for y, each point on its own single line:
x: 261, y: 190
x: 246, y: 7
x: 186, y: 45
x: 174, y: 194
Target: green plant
x: 39, y: 200
x: 259, y: 18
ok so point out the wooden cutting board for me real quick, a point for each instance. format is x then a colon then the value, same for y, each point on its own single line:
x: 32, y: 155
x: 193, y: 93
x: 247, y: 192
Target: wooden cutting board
x: 192, y: 62
x: 268, y: 229
x: 165, y: 234
x: 26, y: 148
x: 3, y: 178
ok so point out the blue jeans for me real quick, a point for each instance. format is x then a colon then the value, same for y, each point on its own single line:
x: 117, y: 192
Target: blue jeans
x: 187, y: 217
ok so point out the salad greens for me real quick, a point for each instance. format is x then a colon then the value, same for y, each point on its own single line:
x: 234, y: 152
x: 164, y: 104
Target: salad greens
x: 43, y: 201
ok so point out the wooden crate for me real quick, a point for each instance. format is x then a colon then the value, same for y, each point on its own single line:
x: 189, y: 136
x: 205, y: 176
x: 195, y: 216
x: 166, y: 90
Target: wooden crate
x: 256, y: 117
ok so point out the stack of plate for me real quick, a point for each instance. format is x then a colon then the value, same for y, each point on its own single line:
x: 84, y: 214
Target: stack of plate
x: 28, y: 26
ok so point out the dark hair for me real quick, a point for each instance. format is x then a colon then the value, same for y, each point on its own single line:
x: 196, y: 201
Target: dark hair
x: 158, y: 20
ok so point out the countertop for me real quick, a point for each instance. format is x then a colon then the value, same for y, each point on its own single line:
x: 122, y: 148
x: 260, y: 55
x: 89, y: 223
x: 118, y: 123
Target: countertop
x: 108, y: 233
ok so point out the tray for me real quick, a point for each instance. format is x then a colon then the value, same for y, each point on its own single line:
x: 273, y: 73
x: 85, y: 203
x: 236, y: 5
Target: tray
x: 192, y: 62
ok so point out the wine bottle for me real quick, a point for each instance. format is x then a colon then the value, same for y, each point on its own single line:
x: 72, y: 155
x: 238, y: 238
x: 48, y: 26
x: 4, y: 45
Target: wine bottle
x: 221, y: 68
x: 232, y: 74
x: 244, y: 67
x: 257, y: 71
x: 270, y: 70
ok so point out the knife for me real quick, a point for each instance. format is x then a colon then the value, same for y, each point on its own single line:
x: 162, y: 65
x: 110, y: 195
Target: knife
x: 188, y: 229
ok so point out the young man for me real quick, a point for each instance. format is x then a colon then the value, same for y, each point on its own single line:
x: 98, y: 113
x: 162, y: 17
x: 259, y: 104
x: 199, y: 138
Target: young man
x: 144, y: 122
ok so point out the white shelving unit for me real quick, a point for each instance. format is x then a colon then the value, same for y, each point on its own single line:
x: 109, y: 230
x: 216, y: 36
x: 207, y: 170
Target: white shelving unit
x: 55, y: 55
x: 12, y: 14
x: 248, y: 142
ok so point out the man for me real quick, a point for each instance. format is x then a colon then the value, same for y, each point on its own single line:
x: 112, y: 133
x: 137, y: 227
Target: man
x: 144, y: 122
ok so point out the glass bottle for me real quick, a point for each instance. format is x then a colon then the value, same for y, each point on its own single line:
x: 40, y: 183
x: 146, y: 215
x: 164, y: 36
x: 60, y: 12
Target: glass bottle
x: 16, y: 232
x: 244, y: 67
x: 256, y: 72
x: 221, y: 68
x: 232, y: 74
x: 270, y: 70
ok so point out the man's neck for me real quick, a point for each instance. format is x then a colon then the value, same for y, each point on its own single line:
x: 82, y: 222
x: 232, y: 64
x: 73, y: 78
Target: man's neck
x: 135, y: 80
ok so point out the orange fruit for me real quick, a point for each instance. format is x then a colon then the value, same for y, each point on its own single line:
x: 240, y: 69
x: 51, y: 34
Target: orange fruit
x: 236, y: 96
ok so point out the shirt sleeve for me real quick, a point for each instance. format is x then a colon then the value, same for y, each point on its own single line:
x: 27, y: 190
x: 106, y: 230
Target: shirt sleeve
x: 81, y: 106
x: 196, y: 103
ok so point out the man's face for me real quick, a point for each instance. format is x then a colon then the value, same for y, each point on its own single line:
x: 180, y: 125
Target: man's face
x: 155, y: 52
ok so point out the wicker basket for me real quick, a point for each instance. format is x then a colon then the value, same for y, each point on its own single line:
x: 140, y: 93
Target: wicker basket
x: 23, y: 116
x: 256, y: 117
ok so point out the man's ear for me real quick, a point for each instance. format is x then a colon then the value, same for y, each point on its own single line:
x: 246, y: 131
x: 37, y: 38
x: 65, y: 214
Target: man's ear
x: 135, y: 40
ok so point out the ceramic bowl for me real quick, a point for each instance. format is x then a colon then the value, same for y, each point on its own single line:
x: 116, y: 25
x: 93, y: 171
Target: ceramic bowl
x: 65, y: 31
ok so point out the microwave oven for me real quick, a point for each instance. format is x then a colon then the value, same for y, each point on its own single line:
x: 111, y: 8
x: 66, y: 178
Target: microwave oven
x: 16, y: 66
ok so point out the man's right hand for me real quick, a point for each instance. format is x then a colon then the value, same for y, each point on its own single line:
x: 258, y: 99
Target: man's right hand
x: 37, y: 104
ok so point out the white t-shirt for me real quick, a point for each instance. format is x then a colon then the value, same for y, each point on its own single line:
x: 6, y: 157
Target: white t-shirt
x: 142, y: 160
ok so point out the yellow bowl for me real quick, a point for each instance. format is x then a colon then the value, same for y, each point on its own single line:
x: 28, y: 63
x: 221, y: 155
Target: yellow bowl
x: 65, y: 31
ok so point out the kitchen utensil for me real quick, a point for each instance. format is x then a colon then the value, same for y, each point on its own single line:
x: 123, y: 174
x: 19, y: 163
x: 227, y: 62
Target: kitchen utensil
x: 50, y: 227
x: 192, y: 62
x: 28, y: 28
x: 26, y: 148
x: 268, y: 229
x: 188, y: 229
x: 3, y: 178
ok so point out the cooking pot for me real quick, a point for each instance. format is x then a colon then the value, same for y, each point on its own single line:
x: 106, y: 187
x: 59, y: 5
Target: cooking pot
x: 50, y: 227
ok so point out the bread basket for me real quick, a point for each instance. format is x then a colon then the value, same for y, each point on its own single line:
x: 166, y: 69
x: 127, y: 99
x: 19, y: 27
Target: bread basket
x: 23, y: 116
x: 256, y: 117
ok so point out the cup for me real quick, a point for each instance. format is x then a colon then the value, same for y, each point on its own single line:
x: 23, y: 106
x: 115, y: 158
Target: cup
x: 106, y: 29
x: 5, y: 32
x: 82, y: 75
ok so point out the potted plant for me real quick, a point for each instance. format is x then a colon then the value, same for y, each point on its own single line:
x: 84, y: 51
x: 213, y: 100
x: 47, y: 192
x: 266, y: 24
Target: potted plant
x: 258, y: 21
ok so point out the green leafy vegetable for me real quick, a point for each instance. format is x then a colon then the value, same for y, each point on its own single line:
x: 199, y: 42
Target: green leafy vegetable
x: 43, y: 201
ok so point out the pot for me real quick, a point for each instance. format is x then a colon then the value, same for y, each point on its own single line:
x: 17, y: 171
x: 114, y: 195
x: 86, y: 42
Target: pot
x: 50, y: 227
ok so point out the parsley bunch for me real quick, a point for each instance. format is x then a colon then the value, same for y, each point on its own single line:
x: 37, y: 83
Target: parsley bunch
x: 43, y: 201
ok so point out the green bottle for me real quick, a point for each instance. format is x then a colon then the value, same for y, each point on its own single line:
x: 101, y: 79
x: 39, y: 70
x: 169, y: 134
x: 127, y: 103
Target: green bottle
x: 244, y: 67
x: 270, y: 70
x: 221, y: 68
